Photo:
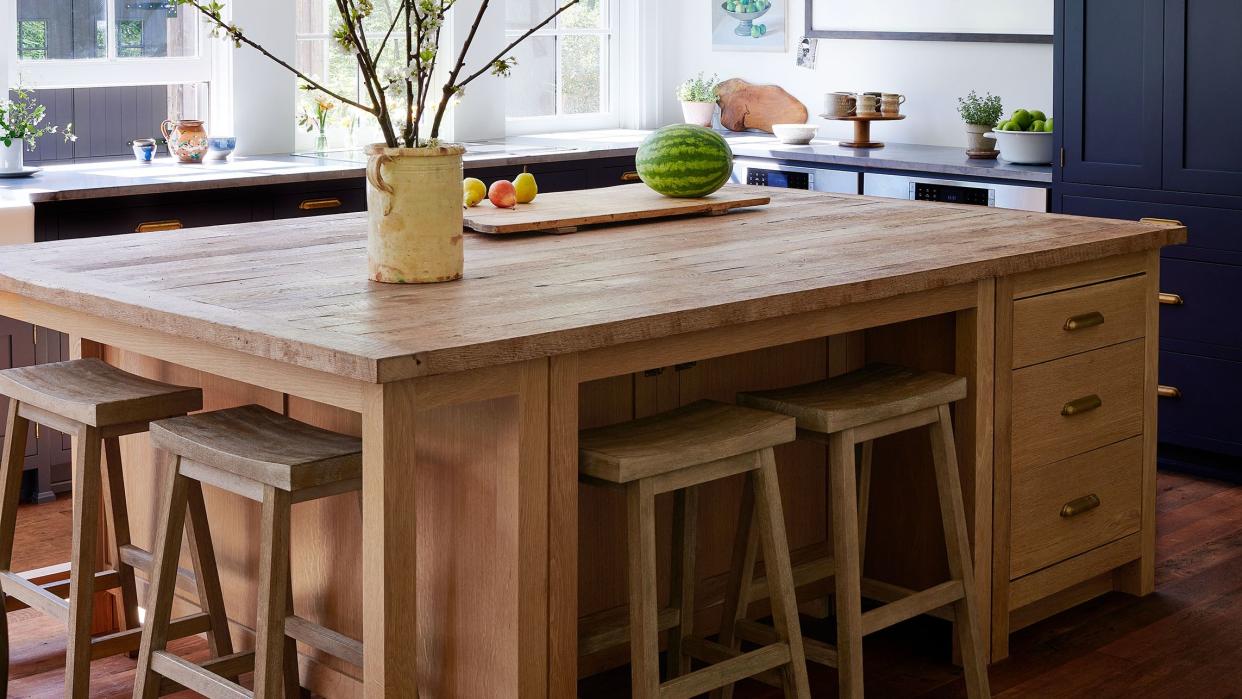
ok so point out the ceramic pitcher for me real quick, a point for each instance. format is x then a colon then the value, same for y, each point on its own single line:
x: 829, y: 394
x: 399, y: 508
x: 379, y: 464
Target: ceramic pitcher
x: 187, y: 139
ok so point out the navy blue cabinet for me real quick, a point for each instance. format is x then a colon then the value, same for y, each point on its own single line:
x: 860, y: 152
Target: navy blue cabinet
x: 1109, y: 114
x: 1146, y: 115
x: 1203, y: 74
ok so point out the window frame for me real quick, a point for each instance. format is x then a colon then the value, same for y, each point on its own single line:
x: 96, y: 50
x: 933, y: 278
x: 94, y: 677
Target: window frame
x: 610, y: 118
x: 115, y: 70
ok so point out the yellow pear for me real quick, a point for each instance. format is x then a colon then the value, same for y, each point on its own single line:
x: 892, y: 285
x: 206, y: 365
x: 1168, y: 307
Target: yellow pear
x: 526, y: 188
x: 473, y: 191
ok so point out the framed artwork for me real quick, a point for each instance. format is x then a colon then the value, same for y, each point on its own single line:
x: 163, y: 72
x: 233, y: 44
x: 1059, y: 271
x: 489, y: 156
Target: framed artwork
x: 931, y: 20
x: 748, y: 25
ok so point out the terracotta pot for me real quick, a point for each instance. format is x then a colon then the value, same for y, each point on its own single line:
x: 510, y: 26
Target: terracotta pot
x: 12, y: 157
x: 187, y: 139
x: 414, y: 214
x: 698, y: 113
x: 975, y: 139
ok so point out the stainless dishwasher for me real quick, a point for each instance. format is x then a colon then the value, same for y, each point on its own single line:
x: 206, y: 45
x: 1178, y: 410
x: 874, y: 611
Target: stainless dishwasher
x: 1004, y: 196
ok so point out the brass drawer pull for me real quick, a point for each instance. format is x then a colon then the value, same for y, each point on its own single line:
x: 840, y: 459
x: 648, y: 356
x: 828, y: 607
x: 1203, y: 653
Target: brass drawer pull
x: 1171, y: 300
x: 1086, y: 320
x: 1152, y: 219
x: 1078, y: 406
x: 631, y: 176
x: 1077, y: 506
x: 317, y: 204
x: 157, y: 226
x: 1168, y: 392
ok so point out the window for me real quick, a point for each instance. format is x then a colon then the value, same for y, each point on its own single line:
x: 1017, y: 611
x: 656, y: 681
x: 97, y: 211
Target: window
x: 32, y: 39
x: 564, y: 71
x: 81, y: 43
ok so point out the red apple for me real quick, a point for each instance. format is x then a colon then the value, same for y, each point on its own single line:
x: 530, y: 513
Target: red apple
x: 503, y: 194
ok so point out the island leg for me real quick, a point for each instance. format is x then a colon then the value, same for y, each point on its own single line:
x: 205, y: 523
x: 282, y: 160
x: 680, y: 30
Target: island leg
x: 389, y: 600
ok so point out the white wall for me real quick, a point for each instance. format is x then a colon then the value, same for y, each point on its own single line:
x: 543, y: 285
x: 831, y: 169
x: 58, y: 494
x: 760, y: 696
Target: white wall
x: 931, y: 74
x: 263, y: 94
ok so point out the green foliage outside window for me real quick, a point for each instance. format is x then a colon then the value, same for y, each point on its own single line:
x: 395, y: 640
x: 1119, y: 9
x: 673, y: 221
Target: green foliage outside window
x: 32, y: 39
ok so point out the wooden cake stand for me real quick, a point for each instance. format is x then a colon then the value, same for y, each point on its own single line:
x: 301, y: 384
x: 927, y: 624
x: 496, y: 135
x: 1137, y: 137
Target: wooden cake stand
x: 862, y: 128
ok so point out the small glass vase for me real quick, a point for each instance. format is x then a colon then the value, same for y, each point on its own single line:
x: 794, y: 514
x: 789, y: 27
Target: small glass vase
x: 321, y: 143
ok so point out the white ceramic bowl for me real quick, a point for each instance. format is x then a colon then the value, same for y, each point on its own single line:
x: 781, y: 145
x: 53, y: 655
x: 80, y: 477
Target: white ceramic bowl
x: 1024, y: 147
x: 795, y: 134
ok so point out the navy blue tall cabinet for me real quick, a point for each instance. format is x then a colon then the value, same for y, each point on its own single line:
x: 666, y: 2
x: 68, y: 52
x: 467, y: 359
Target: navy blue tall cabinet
x: 1149, y: 124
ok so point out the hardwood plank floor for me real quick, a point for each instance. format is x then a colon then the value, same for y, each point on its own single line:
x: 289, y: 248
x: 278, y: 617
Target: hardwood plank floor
x: 1185, y: 640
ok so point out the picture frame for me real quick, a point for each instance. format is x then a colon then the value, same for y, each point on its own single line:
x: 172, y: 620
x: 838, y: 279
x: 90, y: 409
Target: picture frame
x: 764, y: 29
x: 820, y: 31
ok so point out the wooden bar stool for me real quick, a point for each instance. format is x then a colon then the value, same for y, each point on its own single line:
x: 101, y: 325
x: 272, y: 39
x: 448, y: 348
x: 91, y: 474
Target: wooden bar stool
x: 97, y: 404
x: 267, y: 457
x: 678, y: 451
x: 842, y: 412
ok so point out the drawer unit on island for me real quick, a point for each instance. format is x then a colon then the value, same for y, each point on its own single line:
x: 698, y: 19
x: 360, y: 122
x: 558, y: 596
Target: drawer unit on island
x: 1074, y: 481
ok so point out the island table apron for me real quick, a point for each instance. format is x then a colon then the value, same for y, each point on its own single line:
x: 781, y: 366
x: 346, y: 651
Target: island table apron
x: 467, y: 394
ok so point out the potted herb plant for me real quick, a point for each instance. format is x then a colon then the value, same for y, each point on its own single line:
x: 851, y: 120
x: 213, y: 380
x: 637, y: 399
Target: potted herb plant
x: 698, y: 100
x: 21, y: 124
x: 981, y: 114
x: 414, y: 215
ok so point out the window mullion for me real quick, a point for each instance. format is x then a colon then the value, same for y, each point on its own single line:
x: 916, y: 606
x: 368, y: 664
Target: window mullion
x: 110, y: 34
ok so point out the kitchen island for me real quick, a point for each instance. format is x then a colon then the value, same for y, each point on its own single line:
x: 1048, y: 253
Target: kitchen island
x: 477, y: 558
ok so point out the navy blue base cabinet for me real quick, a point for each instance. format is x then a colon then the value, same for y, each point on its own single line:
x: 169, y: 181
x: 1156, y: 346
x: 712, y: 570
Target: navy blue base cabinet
x: 1143, y: 130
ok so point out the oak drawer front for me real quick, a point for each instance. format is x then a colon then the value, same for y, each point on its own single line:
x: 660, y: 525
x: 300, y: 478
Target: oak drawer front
x: 1071, y: 506
x: 1068, y: 322
x: 1073, y: 405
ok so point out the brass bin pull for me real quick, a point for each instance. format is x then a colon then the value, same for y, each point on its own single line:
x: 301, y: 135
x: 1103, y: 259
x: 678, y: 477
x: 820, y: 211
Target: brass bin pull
x: 1168, y: 392
x: 316, y: 204
x: 157, y: 226
x: 1078, y: 406
x: 631, y: 176
x: 1077, y: 506
x: 1086, y: 320
x: 1171, y: 300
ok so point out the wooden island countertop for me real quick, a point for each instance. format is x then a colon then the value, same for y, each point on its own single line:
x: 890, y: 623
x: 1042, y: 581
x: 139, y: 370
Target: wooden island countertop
x: 469, y: 394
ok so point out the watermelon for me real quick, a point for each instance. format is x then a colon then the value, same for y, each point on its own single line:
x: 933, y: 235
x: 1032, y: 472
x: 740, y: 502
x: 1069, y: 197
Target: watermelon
x: 685, y: 161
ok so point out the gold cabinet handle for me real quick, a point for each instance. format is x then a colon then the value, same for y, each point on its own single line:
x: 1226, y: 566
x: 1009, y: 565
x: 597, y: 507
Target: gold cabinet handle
x: 631, y: 176
x: 317, y: 204
x: 1078, y: 506
x: 1151, y: 219
x: 157, y: 226
x: 1086, y: 320
x: 1171, y: 300
x: 1078, y: 406
x: 1168, y: 392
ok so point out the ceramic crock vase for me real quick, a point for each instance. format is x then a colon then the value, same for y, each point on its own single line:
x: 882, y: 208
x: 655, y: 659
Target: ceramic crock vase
x: 977, y: 141
x: 414, y: 214
x: 187, y: 139
x: 698, y: 113
x: 12, y: 157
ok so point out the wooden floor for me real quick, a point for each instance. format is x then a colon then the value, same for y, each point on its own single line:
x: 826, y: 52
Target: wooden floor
x: 1184, y: 641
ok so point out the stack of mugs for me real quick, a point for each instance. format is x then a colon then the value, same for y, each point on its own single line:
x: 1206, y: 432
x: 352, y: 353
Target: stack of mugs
x: 863, y: 104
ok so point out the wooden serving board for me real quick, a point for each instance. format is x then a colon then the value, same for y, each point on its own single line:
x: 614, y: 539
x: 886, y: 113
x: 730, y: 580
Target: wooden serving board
x: 565, y: 212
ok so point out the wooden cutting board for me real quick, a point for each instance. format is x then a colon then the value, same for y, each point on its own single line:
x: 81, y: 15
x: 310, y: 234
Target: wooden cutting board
x: 565, y: 212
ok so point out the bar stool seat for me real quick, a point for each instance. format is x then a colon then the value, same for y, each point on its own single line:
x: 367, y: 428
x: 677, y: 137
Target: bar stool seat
x: 96, y: 403
x: 92, y: 392
x: 275, y: 460
x: 842, y: 412
x: 676, y: 452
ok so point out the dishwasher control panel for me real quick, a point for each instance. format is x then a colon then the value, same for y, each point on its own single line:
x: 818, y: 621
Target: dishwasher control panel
x: 784, y: 179
x: 953, y: 194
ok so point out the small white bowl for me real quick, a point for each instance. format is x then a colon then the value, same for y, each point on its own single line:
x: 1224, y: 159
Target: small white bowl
x: 1024, y: 147
x: 795, y: 134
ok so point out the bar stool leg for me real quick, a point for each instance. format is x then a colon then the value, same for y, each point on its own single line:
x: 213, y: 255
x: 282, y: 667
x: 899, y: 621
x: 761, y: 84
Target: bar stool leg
x: 780, y: 573
x: 741, y: 576
x: 293, y: 681
x: 848, y: 578
x: 206, y: 572
x: 10, y: 490
x: 117, y: 512
x: 86, y: 500
x: 273, y: 594
x: 864, y: 500
x: 685, y: 543
x: 957, y: 544
x: 165, y: 555
x: 644, y: 626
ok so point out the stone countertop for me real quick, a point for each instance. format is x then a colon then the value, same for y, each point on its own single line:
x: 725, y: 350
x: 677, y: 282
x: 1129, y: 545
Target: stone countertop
x: 903, y: 157
x: 126, y: 177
